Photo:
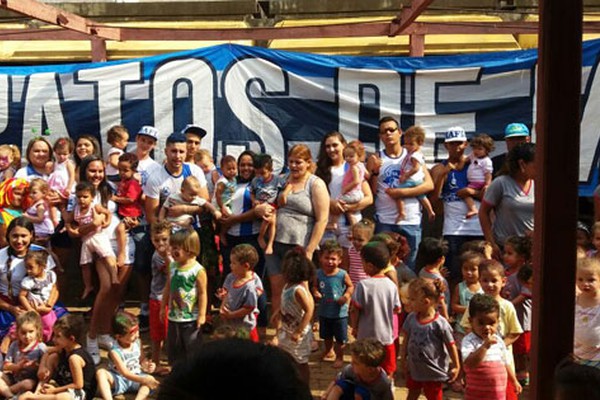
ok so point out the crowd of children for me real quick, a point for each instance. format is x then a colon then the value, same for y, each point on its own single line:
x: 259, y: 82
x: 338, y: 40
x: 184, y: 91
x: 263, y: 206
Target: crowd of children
x: 472, y: 335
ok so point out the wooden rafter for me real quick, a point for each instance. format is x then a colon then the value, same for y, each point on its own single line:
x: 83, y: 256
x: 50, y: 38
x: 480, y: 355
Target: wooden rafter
x: 327, y: 31
x: 407, y: 16
x: 64, y: 19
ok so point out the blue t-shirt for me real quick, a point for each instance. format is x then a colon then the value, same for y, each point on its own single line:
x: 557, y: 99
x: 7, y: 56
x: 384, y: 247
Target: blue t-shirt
x: 332, y: 288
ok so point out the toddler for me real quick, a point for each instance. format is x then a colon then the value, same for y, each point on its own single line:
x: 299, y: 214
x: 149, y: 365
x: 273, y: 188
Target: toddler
x: 19, y: 372
x: 430, y: 258
x: 38, y: 211
x: 428, y: 342
x: 486, y: 358
x: 595, y: 240
x: 411, y: 170
x: 70, y: 366
x: 294, y: 333
x: 587, y: 313
x: 517, y: 252
x: 127, y: 367
x: 117, y: 136
x: 364, y: 378
x: 205, y: 161
x: 467, y: 288
x: 241, y: 290
x: 375, y: 302
x: 265, y: 188
x: 95, y: 242
x: 7, y: 158
x: 38, y: 290
x: 492, y: 280
x: 352, y: 182
x: 333, y: 291
x: 185, y: 295
x: 62, y: 176
x: 160, y: 233
x: 361, y: 234
x: 188, y: 195
x: 226, y: 184
x: 479, y: 172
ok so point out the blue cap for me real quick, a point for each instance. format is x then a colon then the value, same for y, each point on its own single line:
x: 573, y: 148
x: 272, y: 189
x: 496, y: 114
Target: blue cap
x: 176, y: 137
x: 456, y: 134
x: 516, y: 129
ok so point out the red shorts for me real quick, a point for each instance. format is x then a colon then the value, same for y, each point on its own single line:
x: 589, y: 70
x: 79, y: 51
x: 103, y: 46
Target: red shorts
x: 254, y: 335
x: 158, y: 328
x: 523, y: 344
x: 431, y: 390
x: 389, y: 362
x: 511, y: 391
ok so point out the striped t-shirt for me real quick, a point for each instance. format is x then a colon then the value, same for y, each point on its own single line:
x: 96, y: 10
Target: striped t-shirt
x: 355, y: 266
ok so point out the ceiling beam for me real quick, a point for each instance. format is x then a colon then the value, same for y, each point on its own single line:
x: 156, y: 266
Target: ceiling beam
x: 408, y: 15
x: 55, y: 16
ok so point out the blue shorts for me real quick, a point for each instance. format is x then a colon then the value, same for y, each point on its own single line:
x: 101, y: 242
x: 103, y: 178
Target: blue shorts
x: 337, y: 328
x: 122, y: 385
x: 350, y: 390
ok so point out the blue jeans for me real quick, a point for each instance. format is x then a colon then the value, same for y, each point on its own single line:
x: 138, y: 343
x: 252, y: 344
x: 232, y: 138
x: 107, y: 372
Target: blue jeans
x: 412, y: 233
x: 455, y: 242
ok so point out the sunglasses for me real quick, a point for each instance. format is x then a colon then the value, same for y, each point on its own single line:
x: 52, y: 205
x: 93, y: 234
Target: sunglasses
x: 390, y: 130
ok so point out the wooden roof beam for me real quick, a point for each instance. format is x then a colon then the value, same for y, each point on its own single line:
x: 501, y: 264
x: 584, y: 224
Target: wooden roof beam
x: 55, y: 16
x: 407, y: 16
x: 327, y: 31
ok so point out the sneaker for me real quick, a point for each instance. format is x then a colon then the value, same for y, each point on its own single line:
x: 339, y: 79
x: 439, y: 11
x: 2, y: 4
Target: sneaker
x: 105, y: 342
x: 93, y: 349
x: 144, y: 323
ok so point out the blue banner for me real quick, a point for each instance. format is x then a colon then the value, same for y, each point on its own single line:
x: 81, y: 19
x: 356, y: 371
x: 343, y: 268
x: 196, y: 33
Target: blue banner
x: 267, y: 100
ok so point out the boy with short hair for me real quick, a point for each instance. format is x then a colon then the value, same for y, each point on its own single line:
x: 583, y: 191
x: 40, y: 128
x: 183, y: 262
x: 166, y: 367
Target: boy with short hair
x: 375, y: 302
x: 241, y: 290
x: 364, y: 378
x: 160, y: 232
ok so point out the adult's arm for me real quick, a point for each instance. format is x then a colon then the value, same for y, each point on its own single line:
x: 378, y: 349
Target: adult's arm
x: 151, y: 208
x: 320, y: 203
x: 373, y: 166
x: 424, y: 188
x: 485, y: 219
x: 259, y: 211
x: 439, y: 173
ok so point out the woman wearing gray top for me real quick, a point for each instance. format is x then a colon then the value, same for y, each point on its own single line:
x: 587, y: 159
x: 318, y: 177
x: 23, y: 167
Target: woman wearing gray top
x: 511, y: 197
x: 301, y: 217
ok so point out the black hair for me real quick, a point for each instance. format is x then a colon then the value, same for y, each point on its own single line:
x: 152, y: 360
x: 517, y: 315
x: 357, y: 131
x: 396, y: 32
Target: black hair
x: 103, y: 188
x: 296, y: 267
x: 376, y: 253
x: 576, y: 381
x: 263, y: 161
x: 323, y: 161
x: 525, y: 273
x: 97, y: 149
x: 430, y: 250
x: 207, y: 372
x: 388, y: 118
x: 130, y: 158
x: 71, y: 325
x: 484, y: 304
x: 85, y: 187
x: 522, y: 152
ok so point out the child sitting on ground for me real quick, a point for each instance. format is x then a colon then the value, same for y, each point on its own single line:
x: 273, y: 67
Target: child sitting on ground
x: 479, y: 172
x: 333, y: 290
x: 22, y: 360
x: 128, y: 369
x: 265, y: 188
x: 240, y: 291
x: 364, y: 378
x: 188, y: 195
x: 69, y: 365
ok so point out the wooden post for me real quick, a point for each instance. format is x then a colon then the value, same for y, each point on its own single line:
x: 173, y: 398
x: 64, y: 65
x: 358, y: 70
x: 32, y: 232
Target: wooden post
x: 98, y: 49
x: 417, y: 45
x: 557, y: 162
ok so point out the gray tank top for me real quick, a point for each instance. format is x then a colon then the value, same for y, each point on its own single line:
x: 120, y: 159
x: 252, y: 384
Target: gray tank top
x: 295, y: 221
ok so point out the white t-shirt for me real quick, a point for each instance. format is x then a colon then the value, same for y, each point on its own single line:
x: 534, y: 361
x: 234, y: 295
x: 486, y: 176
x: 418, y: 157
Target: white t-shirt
x: 28, y: 173
x: 161, y: 184
x: 110, y: 170
x: 385, y: 206
x: 145, y: 168
x: 478, y: 168
x: 416, y: 156
x: 16, y: 269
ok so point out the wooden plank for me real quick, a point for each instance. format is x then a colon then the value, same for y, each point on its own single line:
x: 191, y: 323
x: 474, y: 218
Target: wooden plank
x: 64, y: 19
x: 417, y: 45
x: 558, y: 111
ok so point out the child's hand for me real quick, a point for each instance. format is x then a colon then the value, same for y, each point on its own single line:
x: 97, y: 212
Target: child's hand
x: 490, y: 341
x: 225, y: 211
x: 150, y: 381
x: 201, y: 320
x: 342, y: 300
x: 43, y: 373
x: 224, y: 312
x: 296, y: 337
x: 221, y: 293
x: 317, y: 295
x: 453, y: 374
x: 402, y: 179
x: 518, y: 387
x: 121, y: 259
x: 48, y: 389
x: 218, y: 215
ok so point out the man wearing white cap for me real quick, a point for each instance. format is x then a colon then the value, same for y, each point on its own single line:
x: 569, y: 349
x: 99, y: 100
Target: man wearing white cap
x: 449, y: 177
x: 515, y: 133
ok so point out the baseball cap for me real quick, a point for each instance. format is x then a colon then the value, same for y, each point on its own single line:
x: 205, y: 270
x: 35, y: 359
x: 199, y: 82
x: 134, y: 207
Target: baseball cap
x: 176, y: 137
x: 516, y: 129
x: 148, y: 130
x: 455, y: 134
x: 195, y: 129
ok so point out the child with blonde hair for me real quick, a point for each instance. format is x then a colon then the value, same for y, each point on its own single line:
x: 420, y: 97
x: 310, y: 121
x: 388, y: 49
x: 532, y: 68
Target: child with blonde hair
x: 587, y: 313
x: 361, y: 234
x: 62, y: 176
x: 428, y: 344
x: 184, y: 295
x: 411, y: 170
x: 7, y: 161
x: 39, y: 211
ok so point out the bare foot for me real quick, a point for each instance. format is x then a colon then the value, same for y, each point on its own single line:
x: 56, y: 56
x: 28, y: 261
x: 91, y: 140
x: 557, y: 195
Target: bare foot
x: 339, y: 363
x: 471, y: 213
x: 269, y: 249
x: 86, y: 293
x: 327, y: 356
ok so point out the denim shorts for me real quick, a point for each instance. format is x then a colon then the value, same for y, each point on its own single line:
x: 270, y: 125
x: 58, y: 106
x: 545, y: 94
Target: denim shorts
x: 337, y: 328
x: 122, y: 385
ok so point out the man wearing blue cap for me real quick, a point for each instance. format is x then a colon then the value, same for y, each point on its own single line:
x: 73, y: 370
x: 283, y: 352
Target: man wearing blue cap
x: 515, y: 133
x: 449, y: 177
x: 193, y: 139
